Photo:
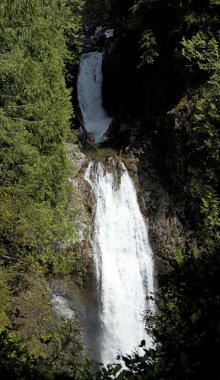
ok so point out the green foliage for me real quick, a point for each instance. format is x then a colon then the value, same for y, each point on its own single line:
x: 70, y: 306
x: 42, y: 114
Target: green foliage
x: 72, y: 13
x: 16, y: 363
x: 140, y: 4
x: 35, y: 118
x: 215, y: 2
x: 6, y: 299
x: 148, y: 48
x: 191, y: 327
x: 178, y: 96
x: 202, y: 50
x: 35, y: 222
x: 198, y: 121
x: 179, y: 59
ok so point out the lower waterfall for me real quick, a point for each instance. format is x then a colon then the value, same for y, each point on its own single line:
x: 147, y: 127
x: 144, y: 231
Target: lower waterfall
x: 123, y: 259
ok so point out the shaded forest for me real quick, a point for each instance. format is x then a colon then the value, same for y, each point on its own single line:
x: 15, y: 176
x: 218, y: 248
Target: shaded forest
x: 163, y: 68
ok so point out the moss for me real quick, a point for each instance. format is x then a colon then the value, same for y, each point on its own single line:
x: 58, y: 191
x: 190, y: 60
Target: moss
x: 102, y: 154
x: 6, y: 299
x: 44, y: 333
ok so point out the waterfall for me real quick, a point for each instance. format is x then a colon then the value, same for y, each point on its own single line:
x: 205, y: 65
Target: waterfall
x: 123, y: 262
x: 123, y: 257
x: 89, y: 89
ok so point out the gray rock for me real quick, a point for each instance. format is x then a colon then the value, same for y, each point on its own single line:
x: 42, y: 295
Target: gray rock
x: 76, y: 157
x: 166, y: 230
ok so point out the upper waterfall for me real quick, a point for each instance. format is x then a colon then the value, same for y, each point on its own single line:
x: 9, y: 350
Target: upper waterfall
x: 89, y: 88
x: 124, y: 264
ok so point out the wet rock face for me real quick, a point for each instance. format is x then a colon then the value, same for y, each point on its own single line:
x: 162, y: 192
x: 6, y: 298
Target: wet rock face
x: 121, y: 85
x: 119, y: 133
x: 113, y: 68
x: 123, y: 133
x: 76, y: 157
x: 166, y: 231
x: 87, y: 196
x: 96, y: 37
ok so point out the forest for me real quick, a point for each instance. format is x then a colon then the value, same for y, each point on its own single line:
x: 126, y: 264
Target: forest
x: 161, y: 68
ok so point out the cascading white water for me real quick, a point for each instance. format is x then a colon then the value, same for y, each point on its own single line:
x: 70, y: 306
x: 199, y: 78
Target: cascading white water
x: 122, y: 254
x: 89, y: 89
x: 123, y: 262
